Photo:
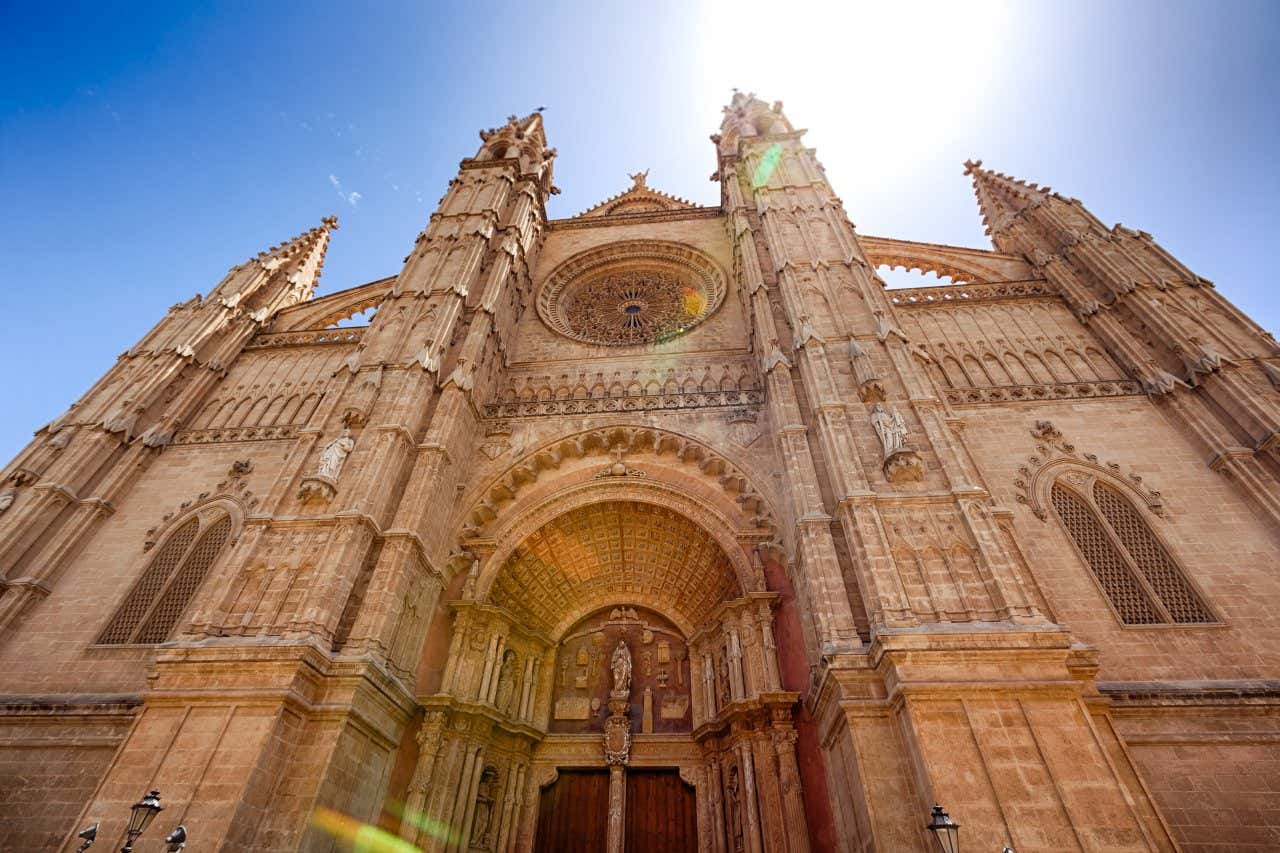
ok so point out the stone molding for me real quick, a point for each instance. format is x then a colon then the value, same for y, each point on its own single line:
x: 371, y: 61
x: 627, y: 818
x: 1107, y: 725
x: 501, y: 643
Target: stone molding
x: 955, y: 294
x: 236, y: 434
x: 1040, y: 393
x: 636, y: 403
x: 640, y: 218
x: 308, y: 337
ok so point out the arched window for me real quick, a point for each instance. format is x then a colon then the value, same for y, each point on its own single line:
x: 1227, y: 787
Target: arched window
x: 160, y: 596
x: 1140, y: 578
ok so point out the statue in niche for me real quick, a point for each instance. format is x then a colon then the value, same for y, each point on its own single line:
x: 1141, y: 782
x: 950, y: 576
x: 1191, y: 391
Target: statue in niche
x: 334, y: 455
x: 506, y: 682
x: 735, y: 809
x: 891, y: 429
x: 620, y: 664
x: 709, y: 680
x: 870, y: 388
x: 484, y: 808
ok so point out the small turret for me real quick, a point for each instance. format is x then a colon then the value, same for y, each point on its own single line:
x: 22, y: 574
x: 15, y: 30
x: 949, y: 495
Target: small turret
x: 748, y: 116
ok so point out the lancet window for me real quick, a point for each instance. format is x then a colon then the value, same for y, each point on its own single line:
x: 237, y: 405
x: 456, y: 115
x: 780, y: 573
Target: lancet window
x: 159, y: 598
x: 1141, y: 579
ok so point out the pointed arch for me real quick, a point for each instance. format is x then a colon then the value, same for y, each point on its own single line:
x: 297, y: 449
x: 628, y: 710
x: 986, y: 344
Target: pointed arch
x: 151, y: 610
x: 1136, y: 572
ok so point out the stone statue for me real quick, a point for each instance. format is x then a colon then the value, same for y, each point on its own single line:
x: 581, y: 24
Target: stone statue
x: 484, y: 809
x: 735, y: 809
x: 870, y: 388
x: 334, y: 455
x: 506, y: 683
x: 620, y: 663
x: 891, y: 429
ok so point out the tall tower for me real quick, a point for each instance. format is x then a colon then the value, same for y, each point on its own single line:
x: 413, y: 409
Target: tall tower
x: 63, y: 483
x: 1210, y: 367
x: 352, y: 504
x: 876, y: 460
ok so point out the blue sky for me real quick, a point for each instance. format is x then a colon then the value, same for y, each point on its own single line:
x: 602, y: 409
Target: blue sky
x: 145, y: 149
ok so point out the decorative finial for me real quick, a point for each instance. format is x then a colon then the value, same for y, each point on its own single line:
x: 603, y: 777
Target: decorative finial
x: 971, y: 166
x: 639, y: 179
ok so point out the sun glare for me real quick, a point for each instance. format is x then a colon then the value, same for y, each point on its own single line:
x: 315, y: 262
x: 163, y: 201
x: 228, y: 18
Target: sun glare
x: 878, y: 82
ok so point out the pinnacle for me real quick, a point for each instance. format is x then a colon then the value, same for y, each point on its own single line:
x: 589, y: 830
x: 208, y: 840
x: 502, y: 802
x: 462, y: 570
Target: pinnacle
x: 1000, y: 196
x: 303, y: 256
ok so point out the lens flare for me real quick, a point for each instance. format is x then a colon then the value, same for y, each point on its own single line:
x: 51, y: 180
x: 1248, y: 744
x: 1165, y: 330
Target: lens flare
x: 363, y: 837
x: 694, y: 302
x: 768, y: 162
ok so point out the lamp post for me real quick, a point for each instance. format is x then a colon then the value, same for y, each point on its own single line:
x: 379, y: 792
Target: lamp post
x: 945, y: 830
x: 140, y: 816
x: 87, y: 836
x: 177, y: 839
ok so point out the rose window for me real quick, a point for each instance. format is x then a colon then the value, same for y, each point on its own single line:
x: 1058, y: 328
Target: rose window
x: 641, y: 292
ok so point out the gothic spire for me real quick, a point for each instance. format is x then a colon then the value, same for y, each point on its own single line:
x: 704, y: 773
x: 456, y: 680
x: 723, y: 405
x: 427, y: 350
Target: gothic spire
x: 302, y: 258
x: 1001, y: 197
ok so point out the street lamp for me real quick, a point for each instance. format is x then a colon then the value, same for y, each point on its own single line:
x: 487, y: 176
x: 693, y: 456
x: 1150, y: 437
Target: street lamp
x: 87, y: 836
x: 176, y: 839
x: 945, y: 830
x: 141, y: 814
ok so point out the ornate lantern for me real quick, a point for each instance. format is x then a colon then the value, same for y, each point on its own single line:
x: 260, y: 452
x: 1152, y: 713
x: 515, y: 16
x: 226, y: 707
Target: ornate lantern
x: 945, y: 830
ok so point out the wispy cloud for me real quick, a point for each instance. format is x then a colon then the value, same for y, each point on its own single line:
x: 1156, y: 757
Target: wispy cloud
x: 352, y: 198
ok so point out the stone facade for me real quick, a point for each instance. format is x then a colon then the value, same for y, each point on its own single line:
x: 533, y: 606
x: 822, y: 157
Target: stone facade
x: 663, y: 486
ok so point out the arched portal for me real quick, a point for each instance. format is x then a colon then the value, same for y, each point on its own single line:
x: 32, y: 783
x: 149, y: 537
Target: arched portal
x: 620, y: 638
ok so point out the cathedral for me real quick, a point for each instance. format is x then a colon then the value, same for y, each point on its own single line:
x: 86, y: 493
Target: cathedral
x: 661, y: 527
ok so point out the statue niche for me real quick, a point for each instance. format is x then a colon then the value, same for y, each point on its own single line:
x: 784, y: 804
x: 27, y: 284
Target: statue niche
x: 629, y: 651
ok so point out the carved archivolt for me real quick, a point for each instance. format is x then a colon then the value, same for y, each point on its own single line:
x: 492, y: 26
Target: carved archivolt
x: 1056, y: 457
x: 232, y: 495
x: 629, y: 540
x: 632, y: 292
x: 634, y: 440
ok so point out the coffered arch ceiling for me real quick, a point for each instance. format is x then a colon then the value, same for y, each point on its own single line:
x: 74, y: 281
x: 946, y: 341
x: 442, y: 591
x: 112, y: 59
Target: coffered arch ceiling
x: 615, y: 552
x: 497, y: 499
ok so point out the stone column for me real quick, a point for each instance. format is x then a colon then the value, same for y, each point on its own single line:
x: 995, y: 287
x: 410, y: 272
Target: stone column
x: 715, y: 794
x: 797, y: 831
x: 750, y: 805
x: 617, y: 807
x: 423, y: 776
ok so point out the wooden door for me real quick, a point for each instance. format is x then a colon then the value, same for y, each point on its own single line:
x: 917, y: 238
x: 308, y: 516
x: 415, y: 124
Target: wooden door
x: 661, y: 813
x: 573, y: 813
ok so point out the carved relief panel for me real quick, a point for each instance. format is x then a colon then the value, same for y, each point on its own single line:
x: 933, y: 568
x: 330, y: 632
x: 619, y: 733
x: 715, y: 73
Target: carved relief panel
x: 660, y: 694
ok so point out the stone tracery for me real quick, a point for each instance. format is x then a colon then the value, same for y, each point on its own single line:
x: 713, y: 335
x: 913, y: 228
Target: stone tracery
x: 629, y: 293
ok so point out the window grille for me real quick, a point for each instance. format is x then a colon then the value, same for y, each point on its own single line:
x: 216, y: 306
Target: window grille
x: 160, y: 596
x: 1139, y: 576
x: 1150, y: 556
